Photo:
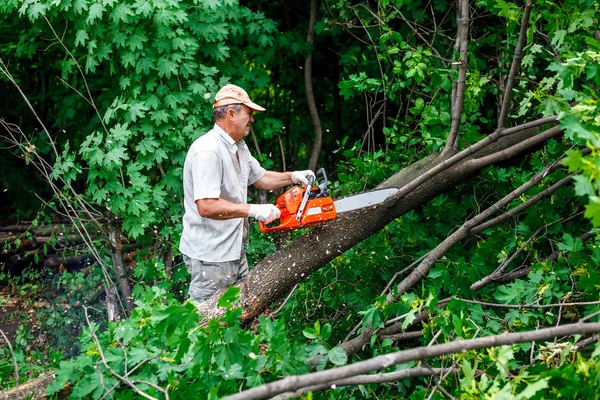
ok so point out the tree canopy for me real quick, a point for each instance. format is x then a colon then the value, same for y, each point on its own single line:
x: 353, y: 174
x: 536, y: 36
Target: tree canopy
x: 478, y: 279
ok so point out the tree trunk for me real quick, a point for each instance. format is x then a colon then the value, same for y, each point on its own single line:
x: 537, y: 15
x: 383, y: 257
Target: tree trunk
x: 310, y: 96
x: 116, y: 249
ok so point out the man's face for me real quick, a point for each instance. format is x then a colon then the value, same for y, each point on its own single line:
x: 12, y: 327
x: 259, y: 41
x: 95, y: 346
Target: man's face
x: 242, y: 120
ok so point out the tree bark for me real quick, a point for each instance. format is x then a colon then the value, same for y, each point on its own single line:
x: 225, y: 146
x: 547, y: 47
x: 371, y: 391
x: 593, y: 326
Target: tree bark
x: 116, y: 249
x: 35, y: 389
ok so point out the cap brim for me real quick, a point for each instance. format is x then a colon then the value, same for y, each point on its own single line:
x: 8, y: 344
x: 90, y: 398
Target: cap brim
x: 254, y: 106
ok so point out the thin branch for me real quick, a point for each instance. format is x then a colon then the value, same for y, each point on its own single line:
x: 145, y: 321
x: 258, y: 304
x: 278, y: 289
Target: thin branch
x: 447, y: 163
x: 439, y: 383
x: 515, y: 66
x: 526, y: 306
x: 404, y: 336
x: 458, y: 98
x: 87, y: 88
x: 284, y: 302
x: 416, y: 31
x: 283, y: 165
x: 310, y: 96
x: 12, y: 353
x: 511, y: 276
x: 293, y: 383
x: 112, y: 371
x: 4, y: 70
x: 523, y: 206
x: 498, y: 272
x: 256, y: 147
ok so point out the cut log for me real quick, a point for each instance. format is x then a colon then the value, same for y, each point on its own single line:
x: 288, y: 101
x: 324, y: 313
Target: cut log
x: 35, y: 389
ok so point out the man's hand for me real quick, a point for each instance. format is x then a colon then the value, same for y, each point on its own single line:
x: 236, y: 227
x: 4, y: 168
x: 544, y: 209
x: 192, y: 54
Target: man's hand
x: 266, y: 213
x: 302, y: 177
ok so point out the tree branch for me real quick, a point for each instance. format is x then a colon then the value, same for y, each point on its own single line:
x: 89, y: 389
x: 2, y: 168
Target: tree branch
x: 523, y: 206
x: 511, y: 276
x: 12, y: 353
x: 423, y: 268
x: 504, y: 154
x: 515, y: 66
x: 498, y: 272
x: 368, y: 379
x: 310, y: 97
x: 458, y: 97
x: 385, y: 361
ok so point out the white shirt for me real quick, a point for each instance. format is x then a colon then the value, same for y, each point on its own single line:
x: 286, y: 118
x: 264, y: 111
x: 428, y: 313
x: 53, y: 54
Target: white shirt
x: 211, y: 170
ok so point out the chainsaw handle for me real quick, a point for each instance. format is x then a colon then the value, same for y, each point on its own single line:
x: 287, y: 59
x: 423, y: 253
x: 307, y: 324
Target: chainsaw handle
x: 323, y: 184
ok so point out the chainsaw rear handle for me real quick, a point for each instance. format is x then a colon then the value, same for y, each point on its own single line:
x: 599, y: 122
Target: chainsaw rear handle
x: 323, y: 184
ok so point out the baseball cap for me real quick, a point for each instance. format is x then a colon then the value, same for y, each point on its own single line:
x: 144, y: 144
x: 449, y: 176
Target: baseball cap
x: 232, y: 94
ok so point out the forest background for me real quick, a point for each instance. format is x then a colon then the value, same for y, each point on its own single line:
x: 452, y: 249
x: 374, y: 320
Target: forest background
x: 478, y: 279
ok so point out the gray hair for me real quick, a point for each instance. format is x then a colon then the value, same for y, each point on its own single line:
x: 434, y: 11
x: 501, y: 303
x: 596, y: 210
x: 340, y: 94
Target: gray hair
x: 219, y: 113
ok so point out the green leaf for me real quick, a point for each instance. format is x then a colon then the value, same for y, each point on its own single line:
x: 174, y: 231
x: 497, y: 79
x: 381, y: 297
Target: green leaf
x: 573, y: 160
x: 570, y: 244
x: 166, y: 68
x: 533, y: 388
x: 121, y: 13
x: 558, y: 38
x: 583, y: 186
x: 137, y: 110
x: 326, y: 331
x: 592, y: 211
x: 95, y: 13
x: 81, y: 37
x: 337, y: 356
x: 373, y: 317
x: 310, y: 333
x: 230, y: 296
x: 115, y: 156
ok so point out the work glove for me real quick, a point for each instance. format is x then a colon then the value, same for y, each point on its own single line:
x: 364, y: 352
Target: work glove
x: 302, y: 177
x: 266, y: 213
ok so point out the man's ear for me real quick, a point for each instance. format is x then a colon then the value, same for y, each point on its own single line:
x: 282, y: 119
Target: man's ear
x: 230, y: 114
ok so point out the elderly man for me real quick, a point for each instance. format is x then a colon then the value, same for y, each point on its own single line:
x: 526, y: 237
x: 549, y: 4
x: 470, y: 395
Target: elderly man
x: 217, y: 171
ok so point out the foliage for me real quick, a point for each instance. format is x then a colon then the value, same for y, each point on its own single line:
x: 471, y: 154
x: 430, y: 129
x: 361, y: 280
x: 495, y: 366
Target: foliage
x: 152, y: 68
x: 161, y: 344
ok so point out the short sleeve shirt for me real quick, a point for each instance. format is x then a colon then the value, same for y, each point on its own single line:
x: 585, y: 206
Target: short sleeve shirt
x: 212, y: 170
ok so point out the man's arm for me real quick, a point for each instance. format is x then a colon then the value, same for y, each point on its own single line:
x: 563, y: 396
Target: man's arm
x: 272, y: 180
x: 223, y: 209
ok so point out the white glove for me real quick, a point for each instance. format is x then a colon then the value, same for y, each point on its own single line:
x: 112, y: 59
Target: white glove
x: 302, y: 177
x: 266, y: 213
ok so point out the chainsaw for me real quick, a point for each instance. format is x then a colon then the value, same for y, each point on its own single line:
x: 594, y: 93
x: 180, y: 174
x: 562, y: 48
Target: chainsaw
x: 303, y: 207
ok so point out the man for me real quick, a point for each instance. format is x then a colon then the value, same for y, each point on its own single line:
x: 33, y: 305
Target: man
x: 217, y: 171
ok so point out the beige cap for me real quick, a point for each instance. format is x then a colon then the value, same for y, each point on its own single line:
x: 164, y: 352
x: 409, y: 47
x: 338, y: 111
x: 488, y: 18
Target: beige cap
x: 231, y: 94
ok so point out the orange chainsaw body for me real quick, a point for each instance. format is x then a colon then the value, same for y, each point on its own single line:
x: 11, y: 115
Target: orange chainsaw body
x: 319, y: 207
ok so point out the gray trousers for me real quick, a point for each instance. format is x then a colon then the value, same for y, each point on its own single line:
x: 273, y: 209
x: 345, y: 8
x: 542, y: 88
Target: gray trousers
x: 209, y: 277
